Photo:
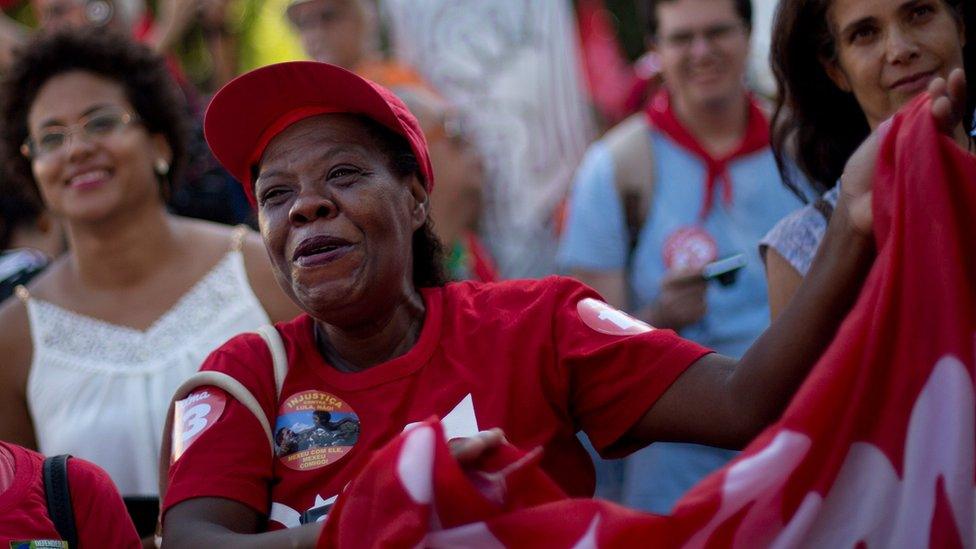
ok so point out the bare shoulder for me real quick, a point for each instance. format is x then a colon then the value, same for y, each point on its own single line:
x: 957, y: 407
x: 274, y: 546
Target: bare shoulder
x: 15, y: 344
x: 263, y: 282
x: 213, y: 236
x: 210, y: 234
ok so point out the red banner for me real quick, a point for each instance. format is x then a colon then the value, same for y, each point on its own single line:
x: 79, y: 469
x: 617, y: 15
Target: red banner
x: 875, y: 450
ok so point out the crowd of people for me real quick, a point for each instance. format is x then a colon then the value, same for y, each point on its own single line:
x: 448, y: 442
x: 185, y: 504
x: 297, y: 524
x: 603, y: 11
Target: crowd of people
x: 712, y: 244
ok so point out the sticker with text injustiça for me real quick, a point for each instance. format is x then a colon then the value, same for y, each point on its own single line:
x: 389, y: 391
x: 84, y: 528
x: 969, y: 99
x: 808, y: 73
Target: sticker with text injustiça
x: 314, y: 429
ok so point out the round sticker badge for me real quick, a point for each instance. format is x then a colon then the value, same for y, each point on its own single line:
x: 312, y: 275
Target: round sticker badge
x: 314, y: 429
x: 689, y: 248
x: 193, y: 415
x: 605, y: 319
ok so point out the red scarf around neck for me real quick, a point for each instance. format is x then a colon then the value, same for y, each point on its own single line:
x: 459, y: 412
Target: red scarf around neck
x: 661, y: 115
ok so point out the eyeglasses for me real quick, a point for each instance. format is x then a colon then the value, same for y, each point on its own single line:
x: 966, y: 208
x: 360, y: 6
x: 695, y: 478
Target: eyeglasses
x: 98, y: 125
x: 717, y: 33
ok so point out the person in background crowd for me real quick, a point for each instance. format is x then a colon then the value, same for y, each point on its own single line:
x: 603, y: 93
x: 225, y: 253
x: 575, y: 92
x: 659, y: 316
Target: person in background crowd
x: 843, y: 67
x: 98, y: 343
x: 456, y: 205
x: 346, y: 33
x: 341, y: 176
x: 61, y: 14
x: 30, y: 238
x: 207, y: 192
x: 514, y: 72
x: 711, y: 192
x: 268, y: 36
x: 25, y: 518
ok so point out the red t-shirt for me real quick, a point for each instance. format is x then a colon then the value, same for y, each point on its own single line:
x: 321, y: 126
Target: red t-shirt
x: 540, y: 359
x: 100, y: 515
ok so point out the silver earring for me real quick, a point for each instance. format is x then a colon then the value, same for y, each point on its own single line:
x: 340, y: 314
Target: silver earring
x: 161, y: 167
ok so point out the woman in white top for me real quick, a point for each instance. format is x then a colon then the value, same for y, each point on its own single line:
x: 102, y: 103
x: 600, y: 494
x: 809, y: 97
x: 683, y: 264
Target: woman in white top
x: 95, y: 348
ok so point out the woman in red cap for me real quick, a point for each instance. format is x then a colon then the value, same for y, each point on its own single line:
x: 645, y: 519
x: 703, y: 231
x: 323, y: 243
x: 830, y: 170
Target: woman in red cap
x: 339, y: 171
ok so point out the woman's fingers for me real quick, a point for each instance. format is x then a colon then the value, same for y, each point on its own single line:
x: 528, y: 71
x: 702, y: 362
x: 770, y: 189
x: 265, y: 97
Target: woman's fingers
x: 957, y: 90
x: 948, y: 101
x: 469, y: 449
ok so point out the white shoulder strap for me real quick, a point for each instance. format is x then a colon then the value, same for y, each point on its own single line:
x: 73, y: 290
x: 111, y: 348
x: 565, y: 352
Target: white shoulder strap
x: 279, y: 359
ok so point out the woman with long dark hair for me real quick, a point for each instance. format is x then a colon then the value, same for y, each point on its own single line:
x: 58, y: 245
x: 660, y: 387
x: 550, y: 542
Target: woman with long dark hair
x: 843, y: 68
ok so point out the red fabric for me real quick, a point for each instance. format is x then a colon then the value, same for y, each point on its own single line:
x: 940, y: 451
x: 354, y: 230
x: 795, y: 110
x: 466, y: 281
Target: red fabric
x: 100, y: 515
x: 482, y: 265
x: 519, y: 352
x: 877, y: 449
x: 242, y: 112
x: 7, y: 469
x: 610, y: 78
x: 662, y: 116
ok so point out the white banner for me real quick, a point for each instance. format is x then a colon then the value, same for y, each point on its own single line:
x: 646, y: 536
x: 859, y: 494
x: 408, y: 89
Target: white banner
x: 512, y: 69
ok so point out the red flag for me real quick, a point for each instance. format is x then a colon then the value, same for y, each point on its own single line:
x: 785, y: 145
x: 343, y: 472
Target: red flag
x: 611, y: 79
x: 875, y: 450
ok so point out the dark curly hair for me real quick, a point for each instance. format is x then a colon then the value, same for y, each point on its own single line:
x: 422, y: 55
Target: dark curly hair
x: 815, y: 123
x: 143, y: 75
x: 20, y: 206
x: 428, y: 251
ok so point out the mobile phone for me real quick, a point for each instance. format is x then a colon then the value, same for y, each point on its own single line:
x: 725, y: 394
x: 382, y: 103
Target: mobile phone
x: 725, y: 270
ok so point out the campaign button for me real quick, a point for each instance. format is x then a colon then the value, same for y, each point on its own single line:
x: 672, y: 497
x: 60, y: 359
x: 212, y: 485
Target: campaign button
x: 689, y: 248
x: 605, y: 319
x: 314, y: 429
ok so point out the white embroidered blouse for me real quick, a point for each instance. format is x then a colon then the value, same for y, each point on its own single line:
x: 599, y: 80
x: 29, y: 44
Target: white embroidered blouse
x: 100, y: 391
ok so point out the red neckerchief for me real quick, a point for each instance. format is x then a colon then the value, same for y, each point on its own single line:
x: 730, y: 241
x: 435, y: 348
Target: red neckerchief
x: 661, y: 115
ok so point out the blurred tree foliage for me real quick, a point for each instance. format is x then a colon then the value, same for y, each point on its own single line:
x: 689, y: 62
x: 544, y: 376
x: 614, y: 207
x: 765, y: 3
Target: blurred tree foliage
x: 21, y: 12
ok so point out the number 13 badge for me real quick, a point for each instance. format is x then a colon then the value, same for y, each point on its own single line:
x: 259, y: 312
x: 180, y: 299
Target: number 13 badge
x: 193, y: 415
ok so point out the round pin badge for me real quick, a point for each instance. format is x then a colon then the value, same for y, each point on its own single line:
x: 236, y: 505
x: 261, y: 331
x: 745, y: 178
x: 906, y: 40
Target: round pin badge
x: 314, y: 429
x: 605, y: 319
x: 193, y: 415
x: 689, y: 248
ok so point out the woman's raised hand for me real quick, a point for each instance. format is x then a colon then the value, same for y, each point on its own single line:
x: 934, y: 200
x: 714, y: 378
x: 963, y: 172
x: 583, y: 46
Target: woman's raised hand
x: 948, y: 109
x: 949, y: 103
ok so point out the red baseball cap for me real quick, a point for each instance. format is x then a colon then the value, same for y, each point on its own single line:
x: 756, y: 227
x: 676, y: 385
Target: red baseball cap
x: 249, y: 111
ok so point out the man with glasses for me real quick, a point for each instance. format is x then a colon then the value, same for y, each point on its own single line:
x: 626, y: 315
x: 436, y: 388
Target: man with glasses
x: 689, y: 181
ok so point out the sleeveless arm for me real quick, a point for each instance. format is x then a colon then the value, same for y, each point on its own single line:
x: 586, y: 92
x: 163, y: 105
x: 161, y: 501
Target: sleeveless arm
x: 16, y: 347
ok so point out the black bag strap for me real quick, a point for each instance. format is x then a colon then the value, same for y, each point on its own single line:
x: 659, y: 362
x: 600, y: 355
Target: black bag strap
x: 632, y: 150
x: 58, y: 495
